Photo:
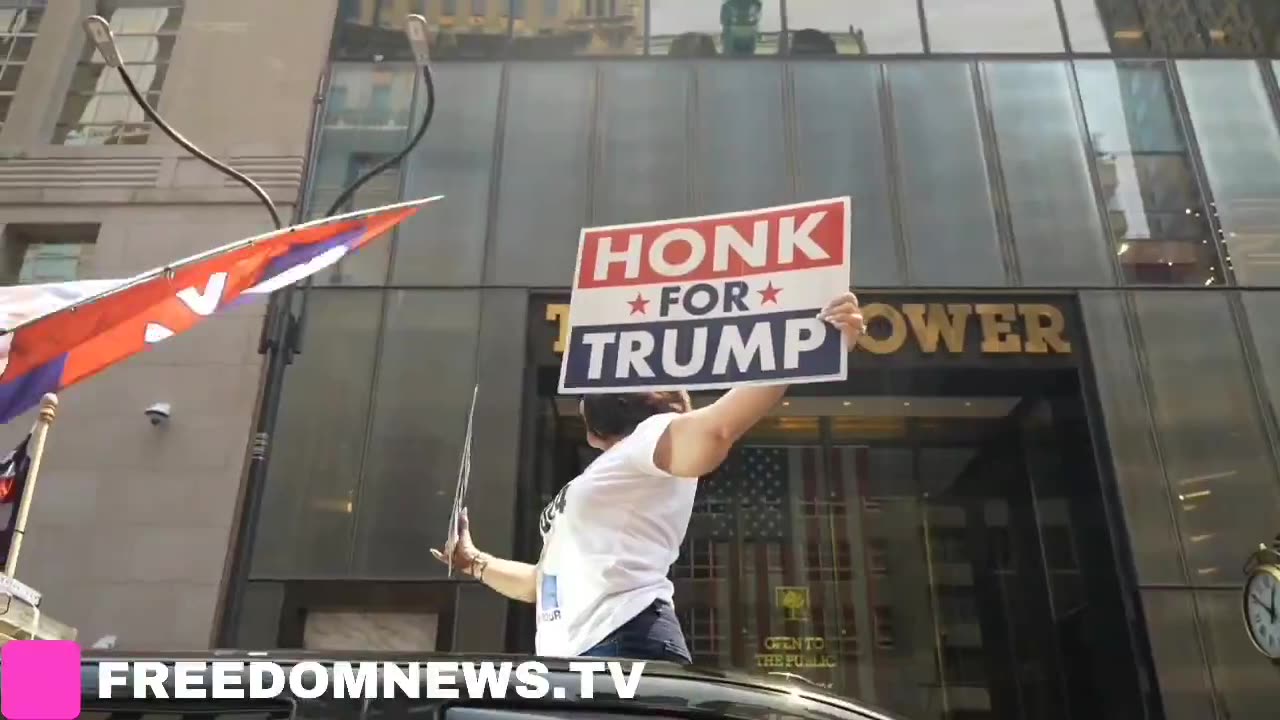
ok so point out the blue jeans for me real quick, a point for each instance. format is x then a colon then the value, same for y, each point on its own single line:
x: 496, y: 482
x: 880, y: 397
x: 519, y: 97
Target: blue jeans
x: 654, y: 634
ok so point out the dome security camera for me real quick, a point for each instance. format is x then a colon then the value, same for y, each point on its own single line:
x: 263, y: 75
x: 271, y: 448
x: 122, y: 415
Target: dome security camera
x: 159, y: 413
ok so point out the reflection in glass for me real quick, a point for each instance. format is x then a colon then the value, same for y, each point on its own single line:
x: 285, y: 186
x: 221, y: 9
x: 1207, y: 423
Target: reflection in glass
x: 1085, y: 32
x: 98, y: 109
x: 1057, y: 229
x: 373, y: 30
x: 853, y: 27
x: 548, y: 28
x: 366, y: 120
x: 1160, y: 27
x: 1159, y: 219
x: 945, y: 191
x: 1236, y: 129
x: 703, y: 29
x: 463, y: 28
x: 993, y: 26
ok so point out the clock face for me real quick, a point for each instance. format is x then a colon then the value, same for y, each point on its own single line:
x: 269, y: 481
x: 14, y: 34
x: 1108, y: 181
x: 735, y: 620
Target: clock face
x: 1262, y: 611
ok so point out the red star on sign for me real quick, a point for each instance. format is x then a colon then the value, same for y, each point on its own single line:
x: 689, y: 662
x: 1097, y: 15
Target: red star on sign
x: 638, y: 305
x: 769, y: 294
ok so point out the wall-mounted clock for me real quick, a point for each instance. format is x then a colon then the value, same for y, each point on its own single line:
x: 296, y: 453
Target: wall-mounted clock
x: 1261, y: 600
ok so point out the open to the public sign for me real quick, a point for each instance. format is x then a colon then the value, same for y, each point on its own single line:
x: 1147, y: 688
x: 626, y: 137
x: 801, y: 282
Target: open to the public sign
x: 709, y: 302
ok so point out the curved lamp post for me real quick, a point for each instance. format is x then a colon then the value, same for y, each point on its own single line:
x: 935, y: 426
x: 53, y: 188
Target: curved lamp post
x: 99, y: 32
x: 282, y: 327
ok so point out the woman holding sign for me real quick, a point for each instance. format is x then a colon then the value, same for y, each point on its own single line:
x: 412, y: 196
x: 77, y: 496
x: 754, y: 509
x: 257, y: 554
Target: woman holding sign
x: 611, y: 535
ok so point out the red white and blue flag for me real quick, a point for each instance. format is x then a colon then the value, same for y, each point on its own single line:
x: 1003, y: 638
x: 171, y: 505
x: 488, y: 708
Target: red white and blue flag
x: 709, y: 302
x: 56, y: 335
x: 13, y: 482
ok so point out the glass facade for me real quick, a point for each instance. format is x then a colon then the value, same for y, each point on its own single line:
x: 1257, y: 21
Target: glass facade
x: 1058, y: 442
x: 546, y: 29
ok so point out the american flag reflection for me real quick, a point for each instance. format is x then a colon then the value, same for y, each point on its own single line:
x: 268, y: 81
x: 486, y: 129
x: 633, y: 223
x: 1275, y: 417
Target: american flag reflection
x: 748, y: 497
x: 778, y: 516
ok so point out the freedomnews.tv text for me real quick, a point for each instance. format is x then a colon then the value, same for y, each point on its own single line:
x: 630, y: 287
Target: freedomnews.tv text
x: 235, y: 680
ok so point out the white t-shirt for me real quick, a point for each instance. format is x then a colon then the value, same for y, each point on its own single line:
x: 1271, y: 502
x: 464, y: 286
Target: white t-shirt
x: 608, y: 540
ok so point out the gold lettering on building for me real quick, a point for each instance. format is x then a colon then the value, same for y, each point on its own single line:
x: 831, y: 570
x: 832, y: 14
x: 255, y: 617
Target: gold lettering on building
x: 559, y: 314
x: 998, y: 336
x: 788, y: 642
x: 897, y: 329
x: 936, y: 327
x: 1045, y: 329
x: 934, y: 322
x: 790, y: 651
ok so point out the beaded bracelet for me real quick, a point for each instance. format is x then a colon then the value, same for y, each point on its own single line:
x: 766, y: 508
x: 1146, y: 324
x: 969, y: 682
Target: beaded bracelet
x: 483, y: 561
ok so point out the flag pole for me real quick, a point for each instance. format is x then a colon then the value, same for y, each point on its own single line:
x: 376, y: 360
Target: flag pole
x: 48, y: 411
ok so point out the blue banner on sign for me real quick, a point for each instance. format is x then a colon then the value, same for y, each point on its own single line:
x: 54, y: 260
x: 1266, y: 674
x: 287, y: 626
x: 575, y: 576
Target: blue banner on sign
x: 763, y: 348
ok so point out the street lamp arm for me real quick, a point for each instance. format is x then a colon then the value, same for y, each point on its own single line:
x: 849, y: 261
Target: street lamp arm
x: 190, y: 147
x: 283, y: 333
x: 394, y: 159
x: 294, y: 332
x: 99, y: 33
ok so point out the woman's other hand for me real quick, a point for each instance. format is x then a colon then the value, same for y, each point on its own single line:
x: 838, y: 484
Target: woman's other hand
x: 845, y: 315
x: 460, y: 548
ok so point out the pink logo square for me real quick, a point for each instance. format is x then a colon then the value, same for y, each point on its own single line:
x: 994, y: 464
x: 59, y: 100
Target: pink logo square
x: 40, y: 680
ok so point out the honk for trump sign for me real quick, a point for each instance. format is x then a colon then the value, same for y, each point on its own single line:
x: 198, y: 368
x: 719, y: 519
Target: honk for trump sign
x: 709, y: 302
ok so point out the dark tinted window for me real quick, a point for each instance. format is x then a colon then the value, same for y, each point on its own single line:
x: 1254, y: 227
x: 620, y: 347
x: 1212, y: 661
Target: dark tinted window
x: 840, y: 150
x: 1057, y: 229
x: 943, y: 183
x: 412, y: 455
x: 1213, y: 444
x: 454, y: 158
x: 308, y: 501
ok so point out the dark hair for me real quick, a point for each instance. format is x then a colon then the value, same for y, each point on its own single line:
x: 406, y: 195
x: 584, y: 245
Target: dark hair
x: 616, y: 415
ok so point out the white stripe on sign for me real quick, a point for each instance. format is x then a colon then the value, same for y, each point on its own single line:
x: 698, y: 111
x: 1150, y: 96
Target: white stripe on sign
x: 789, y: 291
